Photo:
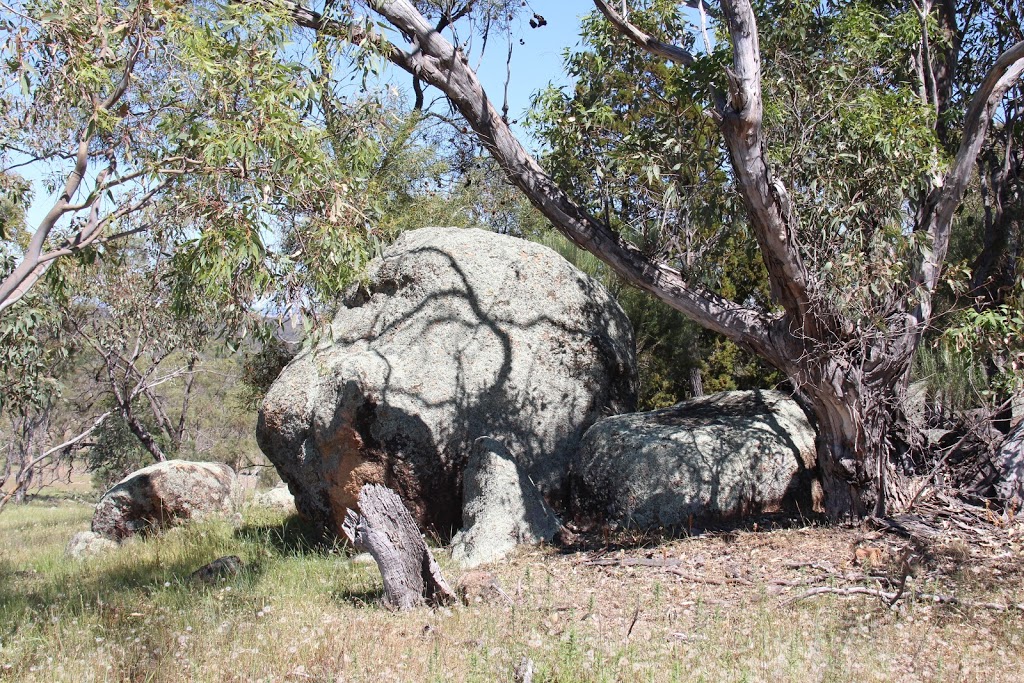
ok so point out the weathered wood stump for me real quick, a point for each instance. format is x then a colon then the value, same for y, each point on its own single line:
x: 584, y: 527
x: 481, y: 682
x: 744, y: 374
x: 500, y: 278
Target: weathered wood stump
x: 385, y: 528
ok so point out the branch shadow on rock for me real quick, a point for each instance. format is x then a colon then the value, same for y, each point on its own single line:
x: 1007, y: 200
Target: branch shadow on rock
x: 494, y: 390
x: 696, y: 471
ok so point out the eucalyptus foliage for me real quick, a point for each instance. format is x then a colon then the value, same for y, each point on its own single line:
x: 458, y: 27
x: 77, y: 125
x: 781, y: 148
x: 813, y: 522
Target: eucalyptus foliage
x: 197, y: 123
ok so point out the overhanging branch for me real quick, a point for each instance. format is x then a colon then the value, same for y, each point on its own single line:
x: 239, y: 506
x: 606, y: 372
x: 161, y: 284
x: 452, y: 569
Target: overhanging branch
x: 672, y: 53
x: 944, y: 200
x: 768, y: 205
x: 434, y: 60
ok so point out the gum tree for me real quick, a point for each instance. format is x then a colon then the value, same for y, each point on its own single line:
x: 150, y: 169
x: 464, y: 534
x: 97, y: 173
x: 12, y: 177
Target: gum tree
x: 852, y: 275
x: 190, y: 131
x: 193, y: 124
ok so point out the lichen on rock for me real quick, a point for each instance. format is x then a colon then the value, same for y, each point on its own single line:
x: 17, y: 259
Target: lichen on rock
x: 452, y: 335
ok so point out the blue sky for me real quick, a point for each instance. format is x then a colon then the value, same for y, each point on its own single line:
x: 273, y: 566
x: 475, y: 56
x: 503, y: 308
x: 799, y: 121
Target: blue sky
x: 539, y: 61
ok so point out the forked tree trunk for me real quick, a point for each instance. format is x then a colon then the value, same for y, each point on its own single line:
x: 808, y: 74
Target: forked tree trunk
x: 861, y: 443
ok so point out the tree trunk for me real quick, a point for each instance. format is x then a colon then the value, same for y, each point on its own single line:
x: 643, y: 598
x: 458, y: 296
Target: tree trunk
x: 23, y: 486
x: 862, y: 445
x: 143, y: 435
x: 190, y: 380
x: 384, y: 527
x: 696, y: 385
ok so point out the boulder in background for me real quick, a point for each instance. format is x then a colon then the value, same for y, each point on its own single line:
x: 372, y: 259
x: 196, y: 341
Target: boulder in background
x: 163, y: 495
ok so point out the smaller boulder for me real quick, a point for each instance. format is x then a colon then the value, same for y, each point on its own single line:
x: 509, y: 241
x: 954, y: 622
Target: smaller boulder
x: 501, y: 507
x: 87, y: 544
x: 163, y: 495
x: 721, y: 456
x: 364, y: 559
x: 277, y: 498
x: 221, y: 568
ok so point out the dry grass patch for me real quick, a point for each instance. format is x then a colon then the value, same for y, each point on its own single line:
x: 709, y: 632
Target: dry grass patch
x: 303, y: 611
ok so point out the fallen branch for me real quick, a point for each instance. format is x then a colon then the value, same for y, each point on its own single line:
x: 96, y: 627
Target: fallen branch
x: 634, y: 562
x: 670, y: 565
x: 696, y: 578
x: 823, y: 566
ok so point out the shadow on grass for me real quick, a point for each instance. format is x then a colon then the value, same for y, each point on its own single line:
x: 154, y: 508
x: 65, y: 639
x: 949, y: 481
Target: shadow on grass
x: 294, y: 536
x: 360, y: 597
x: 104, y: 590
x: 131, y: 574
x: 597, y: 538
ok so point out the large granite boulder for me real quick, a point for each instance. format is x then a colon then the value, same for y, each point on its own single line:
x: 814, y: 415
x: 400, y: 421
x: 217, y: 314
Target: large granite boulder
x: 454, y: 334
x: 721, y: 456
x: 162, y: 495
x: 501, y: 508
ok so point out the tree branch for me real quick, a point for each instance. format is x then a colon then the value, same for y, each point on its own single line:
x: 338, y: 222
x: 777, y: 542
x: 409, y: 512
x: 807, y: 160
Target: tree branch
x: 37, y: 460
x: 30, y: 261
x: 31, y: 268
x: 769, y: 208
x: 944, y: 200
x: 351, y: 32
x: 768, y: 204
x: 672, y: 53
x: 91, y: 233
x: 438, y: 63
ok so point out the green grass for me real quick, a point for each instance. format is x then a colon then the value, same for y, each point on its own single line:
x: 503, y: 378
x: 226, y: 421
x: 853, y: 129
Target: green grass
x: 303, y: 611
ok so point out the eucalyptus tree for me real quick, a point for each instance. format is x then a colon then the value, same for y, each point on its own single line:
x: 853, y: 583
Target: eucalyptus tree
x: 37, y: 437
x: 852, y: 267
x: 192, y: 123
x: 191, y: 132
x: 124, y: 313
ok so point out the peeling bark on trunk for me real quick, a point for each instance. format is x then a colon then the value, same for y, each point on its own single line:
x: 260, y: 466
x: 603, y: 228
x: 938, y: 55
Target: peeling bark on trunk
x: 863, y: 444
x: 384, y: 527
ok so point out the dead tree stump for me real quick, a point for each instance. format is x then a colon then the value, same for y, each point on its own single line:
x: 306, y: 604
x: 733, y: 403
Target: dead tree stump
x: 385, y: 528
